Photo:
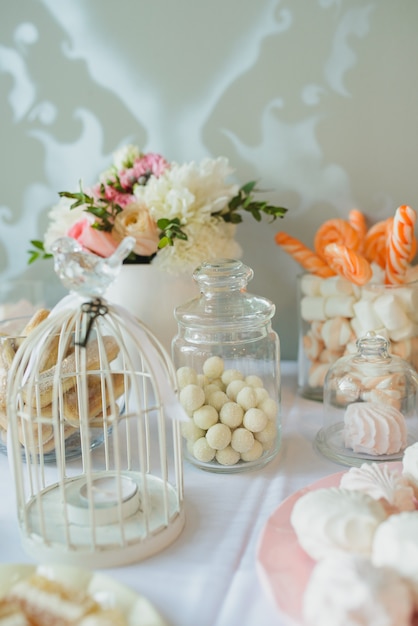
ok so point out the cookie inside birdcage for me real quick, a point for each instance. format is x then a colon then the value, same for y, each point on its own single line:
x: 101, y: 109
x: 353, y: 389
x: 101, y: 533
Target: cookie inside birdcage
x: 91, y: 370
x: 49, y: 415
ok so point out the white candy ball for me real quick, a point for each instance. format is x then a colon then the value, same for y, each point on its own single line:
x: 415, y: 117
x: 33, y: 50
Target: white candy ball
x: 191, y: 432
x: 205, y: 417
x: 253, y: 454
x: 255, y: 420
x: 218, y: 382
x: 202, y: 450
x: 262, y: 394
x: 227, y: 456
x: 234, y: 388
x: 270, y: 408
x: 242, y: 440
x: 217, y: 399
x: 254, y: 381
x: 231, y: 414
x: 230, y: 375
x: 202, y: 380
x: 186, y: 376
x: 209, y: 389
x: 247, y: 398
x: 192, y: 397
x: 213, y: 367
x: 268, y: 433
x: 218, y: 436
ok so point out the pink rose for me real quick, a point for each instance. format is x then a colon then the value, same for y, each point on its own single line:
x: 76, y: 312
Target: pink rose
x: 97, y: 241
x: 135, y: 221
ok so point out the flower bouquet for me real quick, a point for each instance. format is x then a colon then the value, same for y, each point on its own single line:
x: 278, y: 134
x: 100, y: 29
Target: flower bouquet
x: 178, y: 214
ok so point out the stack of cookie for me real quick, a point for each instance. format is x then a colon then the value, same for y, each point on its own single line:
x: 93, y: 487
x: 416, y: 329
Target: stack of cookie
x: 37, y: 429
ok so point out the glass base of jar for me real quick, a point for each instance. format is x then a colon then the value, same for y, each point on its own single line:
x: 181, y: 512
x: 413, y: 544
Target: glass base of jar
x: 311, y: 393
x: 72, y: 445
x: 241, y: 466
x: 329, y: 443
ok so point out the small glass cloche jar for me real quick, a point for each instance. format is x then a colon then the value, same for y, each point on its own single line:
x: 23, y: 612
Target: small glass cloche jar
x: 370, y: 405
x: 227, y: 359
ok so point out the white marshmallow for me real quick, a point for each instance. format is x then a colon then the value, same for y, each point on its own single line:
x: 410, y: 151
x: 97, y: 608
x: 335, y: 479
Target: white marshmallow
x: 390, y: 311
x: 312, y: 308
x: 405, y: 332
x: 408, y: 296
x: 317, y: 374
x: 339, y: 306
x: 316, y: 327
x: 330, y: 356
x: 366, y: 314
x: 403, y: 348
x: 336, y: 333
x: 312, y: 346
x: 310, y: 285
x: 336, y: 285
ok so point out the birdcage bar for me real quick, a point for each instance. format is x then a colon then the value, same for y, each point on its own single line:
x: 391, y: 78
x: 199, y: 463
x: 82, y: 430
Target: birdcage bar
x: 108, y: 398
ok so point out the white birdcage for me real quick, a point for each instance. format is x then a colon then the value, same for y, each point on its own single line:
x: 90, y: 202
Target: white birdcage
x: 120, y: 501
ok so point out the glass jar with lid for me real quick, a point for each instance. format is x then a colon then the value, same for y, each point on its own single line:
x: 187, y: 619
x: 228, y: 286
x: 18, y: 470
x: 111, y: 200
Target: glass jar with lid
x: 227, y: 359
x: 370, y: 405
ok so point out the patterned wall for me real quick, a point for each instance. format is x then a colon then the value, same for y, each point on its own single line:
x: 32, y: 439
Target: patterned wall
x: 316, y: 99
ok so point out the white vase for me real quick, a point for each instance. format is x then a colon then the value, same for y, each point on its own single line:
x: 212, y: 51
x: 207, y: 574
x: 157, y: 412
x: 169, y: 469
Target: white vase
x: 152, y: 295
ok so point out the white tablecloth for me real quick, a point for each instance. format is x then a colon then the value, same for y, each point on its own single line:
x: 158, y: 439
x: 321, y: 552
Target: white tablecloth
x: 208, y: 576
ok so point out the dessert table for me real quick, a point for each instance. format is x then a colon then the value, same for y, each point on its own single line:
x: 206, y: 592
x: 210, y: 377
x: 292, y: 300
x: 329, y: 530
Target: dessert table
x: 208, y: 576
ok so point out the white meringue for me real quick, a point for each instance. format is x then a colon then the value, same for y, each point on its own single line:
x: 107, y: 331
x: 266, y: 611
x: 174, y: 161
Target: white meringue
x: 381, y: 481
x: 410, y: 466
x: 348, y: 590
x: 374, y: 428
x: 328, y: 521
x: 395, y: 545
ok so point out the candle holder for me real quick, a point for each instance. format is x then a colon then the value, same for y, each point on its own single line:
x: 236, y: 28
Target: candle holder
x: 120, y: 502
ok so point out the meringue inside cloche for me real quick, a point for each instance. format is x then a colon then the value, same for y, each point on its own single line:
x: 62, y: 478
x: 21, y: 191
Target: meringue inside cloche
x: 369, y: 405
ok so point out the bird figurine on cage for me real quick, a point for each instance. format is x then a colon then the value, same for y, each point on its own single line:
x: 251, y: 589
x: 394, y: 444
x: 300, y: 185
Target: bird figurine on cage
x: 85, y: 273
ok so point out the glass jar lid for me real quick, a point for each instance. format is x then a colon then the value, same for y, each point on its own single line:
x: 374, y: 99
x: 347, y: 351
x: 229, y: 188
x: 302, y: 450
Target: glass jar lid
x: 224, y: 298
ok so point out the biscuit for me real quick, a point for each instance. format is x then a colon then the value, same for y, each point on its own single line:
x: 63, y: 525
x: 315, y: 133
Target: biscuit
x: 39, y: 316
x: 95, y: 404
x: 7, y: 353
x: 45, y: 382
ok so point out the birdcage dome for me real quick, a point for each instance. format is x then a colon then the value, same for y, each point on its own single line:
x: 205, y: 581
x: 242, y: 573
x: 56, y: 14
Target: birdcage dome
x: 89, y: 367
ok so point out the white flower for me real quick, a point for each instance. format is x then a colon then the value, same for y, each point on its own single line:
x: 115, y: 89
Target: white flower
x: 191, y: 192
x: 211, y: 240
x: 125, y: 156
x: 61, y: 219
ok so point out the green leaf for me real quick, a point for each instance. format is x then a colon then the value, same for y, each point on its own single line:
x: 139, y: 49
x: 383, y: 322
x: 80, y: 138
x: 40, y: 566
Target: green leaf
x: 38, y: 253
x: 38, y: 244
x: 247, y: 188
x: 165, y: 241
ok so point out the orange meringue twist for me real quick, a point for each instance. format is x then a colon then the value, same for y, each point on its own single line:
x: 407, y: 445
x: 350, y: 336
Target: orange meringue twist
x: 303, y: 255
x: 336, y: 231
x: 357, y: 220
x: 348, y: 263
x: 400, y: 245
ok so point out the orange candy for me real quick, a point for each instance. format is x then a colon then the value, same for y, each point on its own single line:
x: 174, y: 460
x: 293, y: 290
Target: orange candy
x: 400, y: 245
x: 336, y: 231
x: 303, y: 255
x: 376, y: 240
x: 357, y: 220
x: 348, y: 263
